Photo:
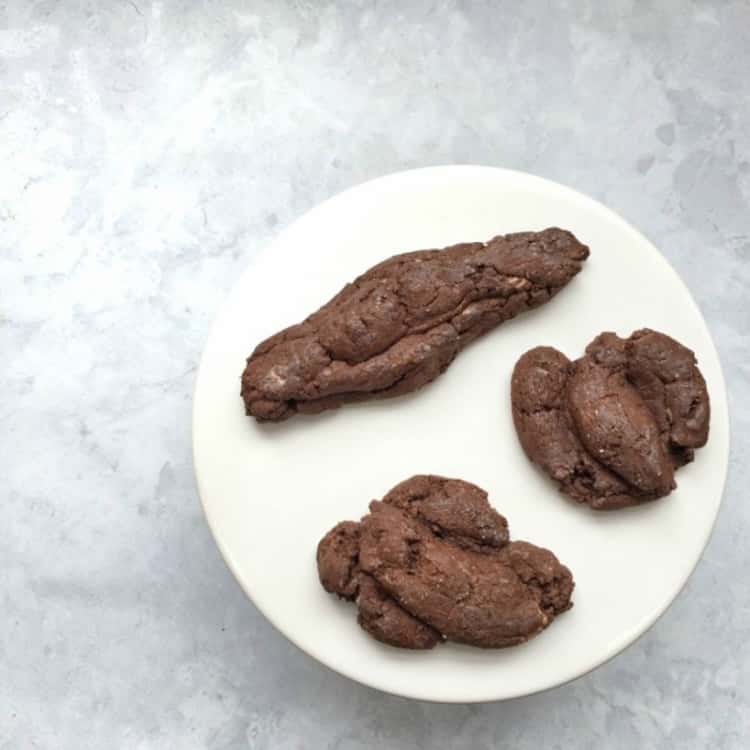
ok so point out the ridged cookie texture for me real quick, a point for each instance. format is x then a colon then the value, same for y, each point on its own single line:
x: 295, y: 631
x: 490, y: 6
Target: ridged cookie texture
x: 432, y: 561
x: 399, y: 325
x: 612, y: 427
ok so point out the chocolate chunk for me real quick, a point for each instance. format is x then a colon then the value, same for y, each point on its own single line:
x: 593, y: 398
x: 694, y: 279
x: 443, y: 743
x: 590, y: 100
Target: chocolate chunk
x: 612, y: 427
x: 434, y: 563
x: 400, y: 325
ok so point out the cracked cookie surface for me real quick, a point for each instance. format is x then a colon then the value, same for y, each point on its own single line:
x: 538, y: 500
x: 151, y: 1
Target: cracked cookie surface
x: 400, y: 325
x: 612, y: 427
x: 432, y: 561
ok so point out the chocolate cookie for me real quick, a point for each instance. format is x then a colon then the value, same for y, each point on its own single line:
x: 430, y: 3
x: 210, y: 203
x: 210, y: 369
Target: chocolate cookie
x: 399, y: 325
x: 432, y: 562
x: 612, y: 427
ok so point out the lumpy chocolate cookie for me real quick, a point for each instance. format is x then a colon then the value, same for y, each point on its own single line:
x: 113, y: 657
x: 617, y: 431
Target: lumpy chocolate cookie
x: 432, y: 562
x: 399, y: 325
x: 612, y: 427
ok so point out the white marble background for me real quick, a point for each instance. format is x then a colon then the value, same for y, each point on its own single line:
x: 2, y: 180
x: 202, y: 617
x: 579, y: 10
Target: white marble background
x: 147, y: 150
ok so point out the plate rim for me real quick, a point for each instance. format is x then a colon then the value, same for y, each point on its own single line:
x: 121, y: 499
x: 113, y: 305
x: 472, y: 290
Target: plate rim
x: 465, y: 169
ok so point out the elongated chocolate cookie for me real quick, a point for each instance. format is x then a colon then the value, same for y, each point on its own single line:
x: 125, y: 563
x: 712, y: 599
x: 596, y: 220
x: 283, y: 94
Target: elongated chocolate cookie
x: 432, y: 561
x: 612, y: 427
x: 399, y: 325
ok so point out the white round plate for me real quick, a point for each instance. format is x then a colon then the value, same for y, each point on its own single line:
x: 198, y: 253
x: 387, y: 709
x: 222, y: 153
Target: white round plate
x: 270, y: 492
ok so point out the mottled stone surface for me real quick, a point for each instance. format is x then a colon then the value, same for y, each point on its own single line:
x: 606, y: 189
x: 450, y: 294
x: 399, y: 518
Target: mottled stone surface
x: 147, y: 150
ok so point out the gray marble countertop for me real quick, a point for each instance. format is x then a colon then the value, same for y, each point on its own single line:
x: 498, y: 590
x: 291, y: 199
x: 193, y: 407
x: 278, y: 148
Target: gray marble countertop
x: 148, y: 149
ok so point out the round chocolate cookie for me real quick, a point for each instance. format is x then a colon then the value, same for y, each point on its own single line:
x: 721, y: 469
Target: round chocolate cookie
x: 432, y: 562
x: 612, y: 427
